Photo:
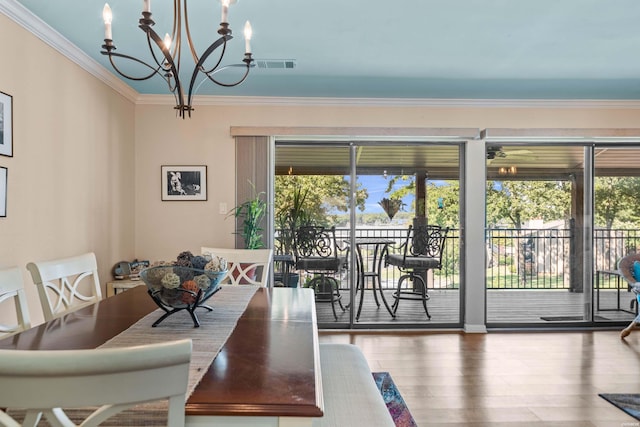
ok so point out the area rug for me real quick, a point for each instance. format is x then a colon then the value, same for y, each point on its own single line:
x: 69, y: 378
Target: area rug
x: 395, y: 403
x: 629, y: 403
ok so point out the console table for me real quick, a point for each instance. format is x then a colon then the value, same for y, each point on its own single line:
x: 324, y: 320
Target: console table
x: 266, y: 374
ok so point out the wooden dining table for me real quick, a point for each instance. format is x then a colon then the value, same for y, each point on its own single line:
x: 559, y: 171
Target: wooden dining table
x: 266, y: 374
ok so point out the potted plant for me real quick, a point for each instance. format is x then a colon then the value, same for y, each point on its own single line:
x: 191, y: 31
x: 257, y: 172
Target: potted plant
x: 251, y: 213
x: 249, y: 216
x: 288, y: 218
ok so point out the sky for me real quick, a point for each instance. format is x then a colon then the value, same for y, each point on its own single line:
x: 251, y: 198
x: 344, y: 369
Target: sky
x: 376, y: 186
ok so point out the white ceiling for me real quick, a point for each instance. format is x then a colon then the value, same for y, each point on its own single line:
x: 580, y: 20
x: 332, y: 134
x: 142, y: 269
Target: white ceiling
x: 421, y: 49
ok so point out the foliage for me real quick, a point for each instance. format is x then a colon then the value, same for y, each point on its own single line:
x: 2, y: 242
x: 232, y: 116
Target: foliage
x: 518, y: 201
x: 617, y: 200
x: 290, y: 215
x: 325, y: 195
x: 443, y: 203
x: 251, y: 212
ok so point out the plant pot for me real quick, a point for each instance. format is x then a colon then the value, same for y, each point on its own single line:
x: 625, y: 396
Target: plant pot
x: 292, y: 280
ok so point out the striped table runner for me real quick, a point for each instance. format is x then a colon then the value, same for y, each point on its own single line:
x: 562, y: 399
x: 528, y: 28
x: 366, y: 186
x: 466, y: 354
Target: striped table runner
x: 228, y: 304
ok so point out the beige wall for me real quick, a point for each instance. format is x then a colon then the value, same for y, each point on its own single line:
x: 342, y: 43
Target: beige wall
x: 163, y: 229
x: 71, y: 178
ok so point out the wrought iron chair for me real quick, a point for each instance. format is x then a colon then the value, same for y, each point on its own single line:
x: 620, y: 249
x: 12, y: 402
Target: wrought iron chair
x: 421, y: 251
x: 317, y: 252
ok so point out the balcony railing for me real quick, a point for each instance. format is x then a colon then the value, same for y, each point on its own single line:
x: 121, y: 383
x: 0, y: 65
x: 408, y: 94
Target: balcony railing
x: 516, y: 258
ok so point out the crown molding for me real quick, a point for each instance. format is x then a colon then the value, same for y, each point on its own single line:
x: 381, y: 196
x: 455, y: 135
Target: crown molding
x: 23, y: 17
x: 257, y: 101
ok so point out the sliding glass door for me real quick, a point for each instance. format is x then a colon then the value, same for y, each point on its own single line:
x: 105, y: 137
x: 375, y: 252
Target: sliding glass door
x: 394, y: 185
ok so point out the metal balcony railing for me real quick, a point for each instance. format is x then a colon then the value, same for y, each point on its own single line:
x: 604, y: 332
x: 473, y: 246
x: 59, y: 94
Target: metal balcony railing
x: 515, y: 258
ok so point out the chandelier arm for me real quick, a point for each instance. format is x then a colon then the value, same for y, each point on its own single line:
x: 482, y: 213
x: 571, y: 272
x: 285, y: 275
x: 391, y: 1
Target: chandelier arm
x: 125, y: 75
x: 199, y: 66
x: 192, y: 48
x: 222, y: 41
x: 153, y: 54
x: 170, y: 67
x: 244, y: 77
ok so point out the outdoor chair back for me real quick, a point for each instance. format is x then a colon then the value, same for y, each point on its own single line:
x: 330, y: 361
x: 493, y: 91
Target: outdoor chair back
x: 421, y: 251
x: 317, y: 252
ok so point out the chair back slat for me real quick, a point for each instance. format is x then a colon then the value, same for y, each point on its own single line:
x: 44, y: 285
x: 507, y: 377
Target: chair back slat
x: 12, y: 290
x: 315, y: 241
x: 245, y: 266
x: 66, y: 284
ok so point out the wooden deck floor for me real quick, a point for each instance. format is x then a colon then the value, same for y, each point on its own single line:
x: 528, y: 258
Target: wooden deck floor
x: 504, y: 307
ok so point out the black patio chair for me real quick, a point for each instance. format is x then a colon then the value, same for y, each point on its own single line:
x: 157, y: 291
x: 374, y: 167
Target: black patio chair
x: 317, y: 252
x: 421, y: 251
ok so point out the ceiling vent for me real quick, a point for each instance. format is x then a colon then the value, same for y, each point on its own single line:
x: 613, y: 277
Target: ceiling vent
x: 276, y: 64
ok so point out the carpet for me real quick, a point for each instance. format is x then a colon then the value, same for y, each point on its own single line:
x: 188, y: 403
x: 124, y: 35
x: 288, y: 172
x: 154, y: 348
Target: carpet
x: 629, y: 403
x: 394, y: 401
x: 568, y: 318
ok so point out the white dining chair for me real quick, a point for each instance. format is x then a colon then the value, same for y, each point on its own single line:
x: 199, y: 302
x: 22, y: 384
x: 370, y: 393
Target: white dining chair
x: 66, y: 284
x: 45, y: 383
x: 12, y: 290
x: 245, y: 266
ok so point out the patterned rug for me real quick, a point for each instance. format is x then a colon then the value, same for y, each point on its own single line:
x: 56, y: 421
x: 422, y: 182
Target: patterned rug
x: 395, y: 403
x: 629, y: 403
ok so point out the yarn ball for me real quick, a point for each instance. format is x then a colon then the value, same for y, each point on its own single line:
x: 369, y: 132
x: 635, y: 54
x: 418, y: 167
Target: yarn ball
x: 189, y: 298
x: 199, y: 262
x: 185, y: 256
x: 216, y: 264
x: 171, y: 281
x: 184, y: 272
x: 203, y: 281
x: 154, y: 275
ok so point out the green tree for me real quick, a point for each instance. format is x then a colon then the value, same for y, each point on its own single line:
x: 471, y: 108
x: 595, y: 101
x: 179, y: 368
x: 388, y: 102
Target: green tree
x: 443, y: 203
x: 518, y: 201
x: 616, y: 200
x: 325, y: 195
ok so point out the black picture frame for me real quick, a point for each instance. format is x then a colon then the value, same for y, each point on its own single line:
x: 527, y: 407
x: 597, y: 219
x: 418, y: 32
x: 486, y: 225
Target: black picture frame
x: 183, y: 183
x: 6, y: 125
x: 4, y: 172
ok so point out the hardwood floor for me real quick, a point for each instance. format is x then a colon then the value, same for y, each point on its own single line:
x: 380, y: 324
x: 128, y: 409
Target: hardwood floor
x: 506, y: 379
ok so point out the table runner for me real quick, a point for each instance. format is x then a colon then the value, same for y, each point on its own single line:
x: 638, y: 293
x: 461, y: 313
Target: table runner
x: 228, y: 304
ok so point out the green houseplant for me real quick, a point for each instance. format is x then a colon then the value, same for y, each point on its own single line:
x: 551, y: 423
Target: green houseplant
x: 290, y: 215
x: 249, y: 216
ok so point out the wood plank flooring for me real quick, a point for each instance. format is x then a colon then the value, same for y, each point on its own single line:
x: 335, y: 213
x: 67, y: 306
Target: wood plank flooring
x: 506, y: 379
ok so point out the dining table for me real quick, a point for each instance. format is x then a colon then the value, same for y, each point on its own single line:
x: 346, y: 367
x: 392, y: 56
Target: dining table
x: 267, y: 372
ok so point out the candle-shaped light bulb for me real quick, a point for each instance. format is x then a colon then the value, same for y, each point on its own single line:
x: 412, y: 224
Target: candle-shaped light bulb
x: 107, y: 16
x: 225, y: 11
x: 167, y: 41
x: 146, y: 6
x: 248, y: 32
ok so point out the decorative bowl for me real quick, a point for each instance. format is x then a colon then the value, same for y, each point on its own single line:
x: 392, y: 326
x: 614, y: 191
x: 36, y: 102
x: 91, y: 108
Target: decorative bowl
x: 175, y: 288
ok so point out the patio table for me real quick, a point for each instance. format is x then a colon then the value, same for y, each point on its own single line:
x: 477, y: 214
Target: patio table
x: 371, y: 270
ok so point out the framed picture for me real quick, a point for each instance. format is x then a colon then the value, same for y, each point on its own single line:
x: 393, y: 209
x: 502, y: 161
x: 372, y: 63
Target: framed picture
x: 184, y: 182
x: 6, y: 125
x: 3, y: 192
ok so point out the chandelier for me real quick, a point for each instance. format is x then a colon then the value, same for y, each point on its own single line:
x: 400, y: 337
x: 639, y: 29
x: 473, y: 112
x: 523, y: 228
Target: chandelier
x: 165, y: 52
